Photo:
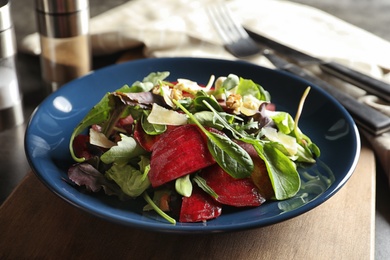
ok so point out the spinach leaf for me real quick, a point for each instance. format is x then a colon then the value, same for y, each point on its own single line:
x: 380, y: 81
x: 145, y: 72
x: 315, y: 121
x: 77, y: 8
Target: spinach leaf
x: 199, y: 103
x: 183, y: 186
x: 151, y: 129
x: 231, y: 157
x: 206, y: 118
x: 281, y: 170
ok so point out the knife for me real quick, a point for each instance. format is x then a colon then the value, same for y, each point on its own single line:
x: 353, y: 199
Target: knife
x: 366, y: 117
x: 361, y: 80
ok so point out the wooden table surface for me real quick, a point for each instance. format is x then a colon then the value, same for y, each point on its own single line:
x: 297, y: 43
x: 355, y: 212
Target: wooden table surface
x: 35, y: 223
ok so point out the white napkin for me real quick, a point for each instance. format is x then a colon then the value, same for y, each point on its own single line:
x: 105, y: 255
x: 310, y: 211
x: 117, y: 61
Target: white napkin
x: 170, y: 28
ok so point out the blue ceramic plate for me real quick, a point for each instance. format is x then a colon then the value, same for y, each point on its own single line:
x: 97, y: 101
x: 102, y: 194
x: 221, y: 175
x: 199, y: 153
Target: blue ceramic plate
x: 324, y: 120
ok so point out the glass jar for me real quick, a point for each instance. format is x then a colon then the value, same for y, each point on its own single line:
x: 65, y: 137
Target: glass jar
x: 11, y: 110
x: 63, y: 26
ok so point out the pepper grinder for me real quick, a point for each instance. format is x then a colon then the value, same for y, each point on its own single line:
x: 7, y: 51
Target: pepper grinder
x: 11, y: 110
x: 63, y: 27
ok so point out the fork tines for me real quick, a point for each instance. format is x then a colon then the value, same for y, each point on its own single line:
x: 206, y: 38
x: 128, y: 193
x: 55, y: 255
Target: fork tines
x: 233, y: 35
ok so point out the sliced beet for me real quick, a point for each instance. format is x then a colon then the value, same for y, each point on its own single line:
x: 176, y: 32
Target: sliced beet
x: 178, y: 152
x: 199, y: 207
x: 145, y: 141
x: 80, y: 146
x: 261, y: 179
x: 231, y: 191
x: 259, y: 175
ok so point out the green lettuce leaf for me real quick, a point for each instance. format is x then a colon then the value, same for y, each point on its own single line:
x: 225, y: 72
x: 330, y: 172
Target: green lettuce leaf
x: 129, y: 179
x: 149, y: 82
x: 123, y: 152
x: 284, y: 121
x: 248, y: 87
x: 97, y: 115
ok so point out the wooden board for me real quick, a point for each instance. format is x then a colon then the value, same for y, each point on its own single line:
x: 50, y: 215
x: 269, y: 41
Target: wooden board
x: 35, y: 223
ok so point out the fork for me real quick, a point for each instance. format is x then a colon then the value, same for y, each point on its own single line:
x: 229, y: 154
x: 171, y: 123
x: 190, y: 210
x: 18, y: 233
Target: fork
x: 236, y: 40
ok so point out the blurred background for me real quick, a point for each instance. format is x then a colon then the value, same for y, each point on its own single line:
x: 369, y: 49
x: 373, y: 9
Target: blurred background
x: 371, y: 15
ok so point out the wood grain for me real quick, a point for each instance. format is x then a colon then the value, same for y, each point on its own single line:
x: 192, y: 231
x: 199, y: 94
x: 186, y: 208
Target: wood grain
x: 35, y: 223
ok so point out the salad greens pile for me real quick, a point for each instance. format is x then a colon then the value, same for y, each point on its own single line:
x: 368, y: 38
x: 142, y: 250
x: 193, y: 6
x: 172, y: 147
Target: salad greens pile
x: 230, y: 113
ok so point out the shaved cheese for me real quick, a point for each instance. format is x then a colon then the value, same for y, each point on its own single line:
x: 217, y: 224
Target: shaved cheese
x: 162, y: 116
x: 99, y: 139
x: 289, y: 142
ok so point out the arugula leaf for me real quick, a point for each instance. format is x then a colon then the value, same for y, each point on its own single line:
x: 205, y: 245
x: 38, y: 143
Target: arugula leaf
x: 157, y: 209
x: 203, y: 185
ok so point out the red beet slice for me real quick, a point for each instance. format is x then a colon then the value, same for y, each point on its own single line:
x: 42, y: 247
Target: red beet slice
x: 80, y: 146
x: 199, y: 207
x: 259, y: 175
x: 231, y: 191
x: 178, y: 152
x: 145, y: 141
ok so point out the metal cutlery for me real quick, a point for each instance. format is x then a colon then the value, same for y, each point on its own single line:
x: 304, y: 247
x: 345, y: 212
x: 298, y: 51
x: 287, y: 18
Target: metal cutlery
x: 363, y: 81
x: 238, y: 42
x: 366, y: 117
